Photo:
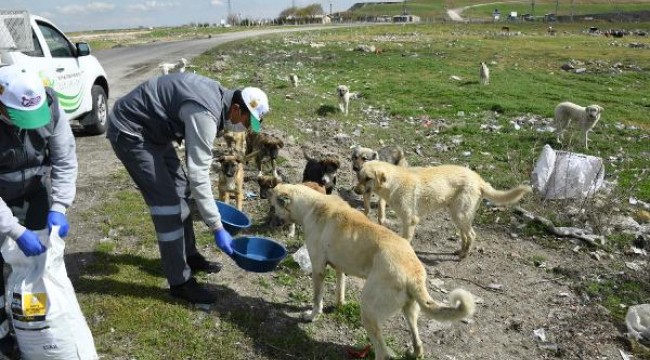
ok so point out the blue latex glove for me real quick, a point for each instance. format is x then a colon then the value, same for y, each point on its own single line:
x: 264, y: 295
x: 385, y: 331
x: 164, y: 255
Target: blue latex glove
x: 30, y: 244
x: 223, y: 240
x: 57, y: 218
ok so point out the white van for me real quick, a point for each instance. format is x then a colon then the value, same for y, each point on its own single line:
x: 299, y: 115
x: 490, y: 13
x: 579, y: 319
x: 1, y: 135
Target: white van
x: 77, y: 77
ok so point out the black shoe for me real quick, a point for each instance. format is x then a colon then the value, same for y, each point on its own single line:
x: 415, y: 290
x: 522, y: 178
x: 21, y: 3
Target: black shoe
x: 198, y: 263
x: 192, y: 292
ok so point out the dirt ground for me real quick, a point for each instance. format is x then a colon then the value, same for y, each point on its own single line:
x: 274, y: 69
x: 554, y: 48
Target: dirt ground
x: 516, y: 297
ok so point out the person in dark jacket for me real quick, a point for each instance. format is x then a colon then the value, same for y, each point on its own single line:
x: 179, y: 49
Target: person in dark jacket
x: 38, y: 168
x: 142, y: 128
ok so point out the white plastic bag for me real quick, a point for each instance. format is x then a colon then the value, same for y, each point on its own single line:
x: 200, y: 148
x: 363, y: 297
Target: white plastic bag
x: 301, y: 256
x: 567, y: 175
x: 42, y: 305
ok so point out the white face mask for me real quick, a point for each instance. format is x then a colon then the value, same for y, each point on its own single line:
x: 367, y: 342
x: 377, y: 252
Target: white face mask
x: 234, y: 127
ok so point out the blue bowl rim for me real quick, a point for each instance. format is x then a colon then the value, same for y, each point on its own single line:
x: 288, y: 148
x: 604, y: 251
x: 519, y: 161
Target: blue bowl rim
x: 223, y: 220
x: 269, y: 260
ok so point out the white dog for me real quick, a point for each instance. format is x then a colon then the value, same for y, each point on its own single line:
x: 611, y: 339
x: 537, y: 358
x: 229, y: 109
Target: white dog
x: 484, y: 74
x: 343, y: 238
x: 344, y: 95
x: 179, y: 66
x: 294, y: 80
x: 585, y: 117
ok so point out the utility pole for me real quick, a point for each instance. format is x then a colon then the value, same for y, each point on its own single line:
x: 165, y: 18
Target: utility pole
x: 557, y: 5
x: 229, y: 18
x: 571, y: 10
x: 532, y: 9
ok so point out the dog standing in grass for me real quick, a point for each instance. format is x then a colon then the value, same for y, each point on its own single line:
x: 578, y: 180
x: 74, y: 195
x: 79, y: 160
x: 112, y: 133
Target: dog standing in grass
x: 344, y: 95
x: 293, y: 78
x: 484, y: 74
x: 417, y: 191
x: 343, y: 238
x: 585, y: 117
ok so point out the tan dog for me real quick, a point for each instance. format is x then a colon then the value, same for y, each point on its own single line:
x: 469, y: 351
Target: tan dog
x: 268, y: 183
x: 231, y: 179
x: 390, y: 154
x: 339, y: 236
x: 262, y: 146
x: 416, y: 192
x: 585, y: 117
x: 344, y: 95
x: 236, y: 141
x: 484, y: 74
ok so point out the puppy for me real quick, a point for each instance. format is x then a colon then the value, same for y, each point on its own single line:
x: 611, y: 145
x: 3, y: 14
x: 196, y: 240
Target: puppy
x: 179, y: 66
x: 231, y: 179
x: 321, y: 171
x: 236, y: 141
x: 389, y: 154
x: 268, y: 183
x: 294, y: 80
x: 416, y: 192
x: 262, y: 146
x: 339, y: 236
x: 484, y: 74
x: 585, y: 117
x: 344, y: 95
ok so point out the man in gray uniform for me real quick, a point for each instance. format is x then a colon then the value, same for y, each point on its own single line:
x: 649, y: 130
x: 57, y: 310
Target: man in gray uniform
x: 37, y: 157
x: 142, y: 128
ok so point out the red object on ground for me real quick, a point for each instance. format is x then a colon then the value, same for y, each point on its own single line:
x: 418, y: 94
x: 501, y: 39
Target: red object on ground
x: 359, y: 354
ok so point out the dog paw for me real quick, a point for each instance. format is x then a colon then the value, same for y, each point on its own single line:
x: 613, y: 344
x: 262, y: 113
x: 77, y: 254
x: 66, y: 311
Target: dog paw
x: 310, y: 315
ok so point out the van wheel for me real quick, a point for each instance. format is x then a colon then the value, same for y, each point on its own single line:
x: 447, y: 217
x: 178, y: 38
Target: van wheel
x: 95, y: 121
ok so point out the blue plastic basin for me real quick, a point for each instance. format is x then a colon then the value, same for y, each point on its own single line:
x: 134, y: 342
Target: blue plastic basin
x: 232, y: 219
x: 257, y: 254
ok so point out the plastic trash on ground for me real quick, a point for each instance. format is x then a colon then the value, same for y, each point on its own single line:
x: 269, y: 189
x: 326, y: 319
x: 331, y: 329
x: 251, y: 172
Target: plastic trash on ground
x: 567, y: 175
x: 301, y: 256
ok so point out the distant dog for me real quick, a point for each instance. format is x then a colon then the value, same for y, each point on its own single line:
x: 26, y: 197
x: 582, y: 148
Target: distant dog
x: 294, y: 80
x: 322, y: 171
x: 585, y: 117
x: 344, y: 95
x: 236, y: 141
x: 179, y: 66
x: 262, y: 146
x: 231, y: 179
x: 343, y: 238
x: 416, y: 192
x: 269, y: 182
x: 484, y: 74
x: 389, y: 154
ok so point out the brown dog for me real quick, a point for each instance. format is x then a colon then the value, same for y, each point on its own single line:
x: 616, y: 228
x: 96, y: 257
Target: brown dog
x: 236, y: 141
x: 321, y: 170
x: 262, y: 146
x: 268, y: 183
x: 342, y: 237
x: 390, y: 154
x: 416, y: 192
x: 231, y: 179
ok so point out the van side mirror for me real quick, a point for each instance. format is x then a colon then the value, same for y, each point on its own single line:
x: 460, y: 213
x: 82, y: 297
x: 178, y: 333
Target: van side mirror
x: 83, y: 49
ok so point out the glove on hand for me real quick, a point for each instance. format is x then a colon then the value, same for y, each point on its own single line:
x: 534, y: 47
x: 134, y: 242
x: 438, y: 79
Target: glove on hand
x: 57, y: 218
x: 30, y: 244
x: 223, y: 240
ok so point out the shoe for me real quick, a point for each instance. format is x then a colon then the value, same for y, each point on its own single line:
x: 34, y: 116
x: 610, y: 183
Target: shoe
x: 198, y: 263
x: 193, y: 292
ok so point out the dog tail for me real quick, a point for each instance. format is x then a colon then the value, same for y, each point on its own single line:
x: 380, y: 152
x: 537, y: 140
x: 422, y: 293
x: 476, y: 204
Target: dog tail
x: 507, y: 197
x: 461, y: 305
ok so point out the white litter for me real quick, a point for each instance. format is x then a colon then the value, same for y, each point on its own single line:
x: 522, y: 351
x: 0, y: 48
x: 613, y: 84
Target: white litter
x: 567, y: 175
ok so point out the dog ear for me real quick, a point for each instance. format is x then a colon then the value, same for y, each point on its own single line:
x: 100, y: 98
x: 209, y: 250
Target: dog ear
x: 283, y: 200
x: 380, y: 177
x: 375, y: 155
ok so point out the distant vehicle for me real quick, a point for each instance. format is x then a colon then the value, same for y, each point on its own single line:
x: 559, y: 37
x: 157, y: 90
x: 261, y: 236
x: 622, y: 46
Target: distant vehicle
x: 77, y: 77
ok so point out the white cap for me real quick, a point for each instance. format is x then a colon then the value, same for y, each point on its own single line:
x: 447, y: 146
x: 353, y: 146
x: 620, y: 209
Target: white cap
x: 257, y: 103
x: 23, y: 95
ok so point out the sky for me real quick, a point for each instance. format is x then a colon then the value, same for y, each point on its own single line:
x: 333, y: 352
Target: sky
x: 76, y: 15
